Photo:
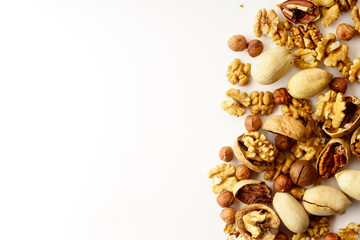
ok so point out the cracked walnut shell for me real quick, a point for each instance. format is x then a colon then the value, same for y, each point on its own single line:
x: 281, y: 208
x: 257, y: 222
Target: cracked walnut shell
x: 223, y: 178
x: 238, y: 73
x: 261, y: 103
x: 257, y: 221
x: 285, y: 125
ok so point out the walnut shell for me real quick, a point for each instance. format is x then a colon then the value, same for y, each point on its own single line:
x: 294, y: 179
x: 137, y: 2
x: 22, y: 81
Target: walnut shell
x: 257, y: 166
x: 285, y: 125
x: 350, y: 122
x: 334, y: 156
x: 269, y: 228
x: 353, y: 141
x: 252, y: 191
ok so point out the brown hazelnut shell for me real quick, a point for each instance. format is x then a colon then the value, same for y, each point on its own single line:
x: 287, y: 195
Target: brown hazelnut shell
x: 257, y: 166
x: 352, y: 143
x: 351, y: 121
x: 272, y: 222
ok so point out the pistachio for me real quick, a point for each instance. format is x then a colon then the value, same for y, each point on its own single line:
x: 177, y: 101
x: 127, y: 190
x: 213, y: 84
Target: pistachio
x: 334, y: 156
x: 325, y: 201
x: 350, y: 122
x: 348, y: 181
x: 251, y: 191
x: 271, y: 65
x: 300, y: 11
x: 285, y: 125
x: 291, y: 212
x: 309, y: 82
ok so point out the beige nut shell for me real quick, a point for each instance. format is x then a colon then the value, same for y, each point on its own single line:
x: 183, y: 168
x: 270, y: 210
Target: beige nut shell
x: 345, y: 128
x: 325, y: 201
x: 291, y: 212
x: 348, y: 181
x: 272, y: 221
x: 256, y: 166
x: 285, y: 125
x: 353, y: 141
x: 309, y: 82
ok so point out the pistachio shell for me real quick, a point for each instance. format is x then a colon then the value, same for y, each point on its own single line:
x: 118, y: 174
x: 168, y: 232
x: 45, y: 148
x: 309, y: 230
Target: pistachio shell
x: 290, y: 211
x: 285, y: 125
x: 350, y: 123
x: 349, y: 182
x: 325, y: 201
x: 271, y: 65
x: 331, y: 167
x: 353, y: 141
x: 309, y: 82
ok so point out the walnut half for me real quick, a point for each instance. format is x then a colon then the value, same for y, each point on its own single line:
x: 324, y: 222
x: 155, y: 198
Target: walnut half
x: 257, y: 221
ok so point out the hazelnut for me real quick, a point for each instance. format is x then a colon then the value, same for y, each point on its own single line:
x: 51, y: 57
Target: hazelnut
x: 225, y: 199
x: 331, y: 236
x: 255, y: 47
x: 226, y: 154
x: 297, y: 192
x: 303, y: 173
x: 242, y: 172
x: 283, y: 183
x: 345, y: 31
x: 253, y: 123
x: 237, y: 43
x: 281, y: 236
x: 283, y: 143
x: 281, y: 96
x: 228, y: 215
x: 338, y: 84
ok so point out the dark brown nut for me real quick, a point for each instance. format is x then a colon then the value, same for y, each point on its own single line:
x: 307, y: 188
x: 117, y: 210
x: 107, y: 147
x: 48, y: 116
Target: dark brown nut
x: 253, y: 191
x: 242, y: 172
x: 257, y: 221
x: 303, y: 173
x: 281, y: 96
x: 255, y: 47
x: 297, y: 192
x: 283, y: 183
x: 228, y: 215
x: 300, y: 11
x: 331, y: 236
x: 253, y: 123
x: 226, y: 154
x: 334, y: 156
x: 225, y: 199
x: 282, y: 236
x: 338, y: 84
x: 345, y: 31
x: 237, y: 43
x: 283, y: 143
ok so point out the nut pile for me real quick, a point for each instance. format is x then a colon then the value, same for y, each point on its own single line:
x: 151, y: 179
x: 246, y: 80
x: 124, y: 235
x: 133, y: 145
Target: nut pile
x: 311, y: 144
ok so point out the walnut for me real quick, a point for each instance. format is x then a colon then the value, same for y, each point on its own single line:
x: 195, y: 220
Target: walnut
x: 346, y: 5
x: 344, y: 67
x: 252, y: 221
x: 308, y: 149
x: 288, y: 162
x: 231, y: 228
x: 261, y: 103
x: 300, y: 236
x: 298, y: 108
x: 306, y: 37
x: 238, y: 72
x: 332, y: 106
x: 266, y: 23
x: 355, y: 14
x: 319, y: 226
x: 281, y: 36
x: 223, y: 178
x: 323, y: 48
x: 351, y: 232
x: 258, y: 147
x: 357, y: 144
x: 354, y: 71
x: 336, y: 56
x: 274, y: 172
x: 236, y: 105
x: 329, y: 15
x: 325, y: 3
x: 305, y: 58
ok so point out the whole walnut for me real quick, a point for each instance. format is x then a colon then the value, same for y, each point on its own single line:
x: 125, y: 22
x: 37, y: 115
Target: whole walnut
x: 303, y: 173
x: 283, y: 143
x: 281, y: 96
x: 225, y: 199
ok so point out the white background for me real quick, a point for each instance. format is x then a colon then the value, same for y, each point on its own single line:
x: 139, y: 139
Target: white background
x: 111, y: 118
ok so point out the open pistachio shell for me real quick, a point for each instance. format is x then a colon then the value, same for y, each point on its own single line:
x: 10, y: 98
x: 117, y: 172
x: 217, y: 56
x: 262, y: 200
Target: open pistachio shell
x: 265, y: 230
x: 349, y: 182
x: 239, y: 151
x: 325, y: 201
x: 353, y: 142
x: 285, y: 125
x: 351, y: 121
x: 334, y: 156
x: 252, y: 191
